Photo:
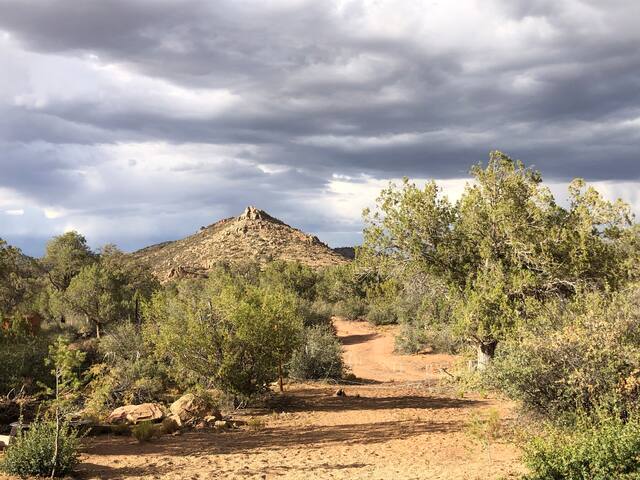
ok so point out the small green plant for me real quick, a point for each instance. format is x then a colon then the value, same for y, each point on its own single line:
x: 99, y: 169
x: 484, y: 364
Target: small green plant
x: 144, y: 431
x: 256, y: 423
x: 33, y: 451
x: 382, y: 312
x: 484, y: 429
x: 591, y: 450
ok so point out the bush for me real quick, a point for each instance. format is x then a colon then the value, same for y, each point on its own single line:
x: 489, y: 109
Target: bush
x: 592, y: 358
x: 414, y: 338
x: 605, y: 450
x: 351, y: 308
x: 382, y: 313
x: 314, y: 313
x: 130, y: 373
x: 144, y: 431
x: 22, y: 361
x: 230, y: 335
x: 319, y: 357
x: 31, y: 453
x: 426, y: 318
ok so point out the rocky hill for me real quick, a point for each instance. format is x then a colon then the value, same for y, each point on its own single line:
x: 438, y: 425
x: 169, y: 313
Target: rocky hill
x: 255, y: 235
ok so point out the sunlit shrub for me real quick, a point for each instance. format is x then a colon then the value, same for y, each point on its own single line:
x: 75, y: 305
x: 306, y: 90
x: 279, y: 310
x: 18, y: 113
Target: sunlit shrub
x: 31, y: 453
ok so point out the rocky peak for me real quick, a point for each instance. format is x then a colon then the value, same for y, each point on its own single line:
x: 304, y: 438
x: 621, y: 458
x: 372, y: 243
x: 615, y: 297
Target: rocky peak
x: 253, y: 213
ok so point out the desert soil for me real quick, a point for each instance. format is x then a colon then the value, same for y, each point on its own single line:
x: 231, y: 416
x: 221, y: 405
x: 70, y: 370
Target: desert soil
x: 395, y: 424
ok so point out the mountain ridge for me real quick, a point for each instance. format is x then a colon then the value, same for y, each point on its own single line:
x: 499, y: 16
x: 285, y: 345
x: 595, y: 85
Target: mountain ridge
x: 254, y: 235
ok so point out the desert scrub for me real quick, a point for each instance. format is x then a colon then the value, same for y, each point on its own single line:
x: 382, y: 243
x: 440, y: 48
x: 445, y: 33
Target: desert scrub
x: 382, y: 313
x: 319, y: 356
x: 484, y: 429
x: 256, y: 424
x: 144, y: 431
x: 592, y: 450
x: 32, y: 451
x: 593, y: 357
x: 351, y: 308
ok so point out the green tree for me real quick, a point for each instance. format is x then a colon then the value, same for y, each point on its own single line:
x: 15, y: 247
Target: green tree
x: 230, y: 334
x: 66, y: 363
x: 65, y: 256
x: 505, y: 246
x: 109, y: 290
x: 18, y: 281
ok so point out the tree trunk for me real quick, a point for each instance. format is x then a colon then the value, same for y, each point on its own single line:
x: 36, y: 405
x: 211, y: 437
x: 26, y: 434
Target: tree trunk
x: 280, y: 383
x: 98, y: 330
x: 486, y: 351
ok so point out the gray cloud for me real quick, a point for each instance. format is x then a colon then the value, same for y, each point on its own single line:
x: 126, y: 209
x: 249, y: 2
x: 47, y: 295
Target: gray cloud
x: 130, y: 109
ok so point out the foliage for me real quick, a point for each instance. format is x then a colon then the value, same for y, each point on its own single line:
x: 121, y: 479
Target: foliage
x: 313, y: 313
x: 505, y: 246
x: 144, y: 431
x: 65, y: 256
x: 318, y: 357
x: 109, y: 290
x: 130, y: 372
x: 18, y: 283
x: 22, y: 361
x: 230, y: 334
x: 292, y: 276
x: 351, y: 308
x: 382, y: 313
x: 31, y: 453
x: 606, y: 449
x: 66, y: 362
x: 591, y: 358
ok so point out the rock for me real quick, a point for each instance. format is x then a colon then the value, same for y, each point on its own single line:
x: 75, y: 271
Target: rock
x: 132, y: 414
x: 190, y: 409
x: 340, y: 393
x: 177, y: 433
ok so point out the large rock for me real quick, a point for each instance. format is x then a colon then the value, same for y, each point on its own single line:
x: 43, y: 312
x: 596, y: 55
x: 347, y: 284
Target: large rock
x: 132, y: 414
x: 190, y: 409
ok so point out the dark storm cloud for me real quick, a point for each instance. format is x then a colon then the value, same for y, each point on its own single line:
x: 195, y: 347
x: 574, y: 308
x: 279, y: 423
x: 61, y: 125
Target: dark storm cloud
x: 276, y: 97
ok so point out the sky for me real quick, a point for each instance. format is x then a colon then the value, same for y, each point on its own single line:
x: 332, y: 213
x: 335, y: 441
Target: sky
x: 138, y: 121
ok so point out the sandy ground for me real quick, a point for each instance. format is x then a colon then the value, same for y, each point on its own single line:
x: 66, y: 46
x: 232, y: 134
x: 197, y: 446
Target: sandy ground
x: 393, y: 427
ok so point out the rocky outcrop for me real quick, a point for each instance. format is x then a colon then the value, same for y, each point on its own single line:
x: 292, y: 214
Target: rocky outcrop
x: 190, y: 409
x: 253, y: 236
x: 133, y: 414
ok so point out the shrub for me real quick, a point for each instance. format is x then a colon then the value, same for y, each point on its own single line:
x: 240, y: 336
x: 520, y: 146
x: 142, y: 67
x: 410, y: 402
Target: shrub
x: 319, y: 357
x: 314, y: 313
x: 414, y: 338
x: 351, y: 308
x: 604, y: 450
x: 235, y: 337
x: 32, y: 451
x: 129, y: 374
x: 593, y: 357
x: 22, y: 360
x: 382, y: 313
x: 144, y: 431
x: 426, y: 318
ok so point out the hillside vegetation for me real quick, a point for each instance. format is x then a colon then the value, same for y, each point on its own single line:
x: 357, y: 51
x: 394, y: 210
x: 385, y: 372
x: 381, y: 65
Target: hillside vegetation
x: 539, y: 300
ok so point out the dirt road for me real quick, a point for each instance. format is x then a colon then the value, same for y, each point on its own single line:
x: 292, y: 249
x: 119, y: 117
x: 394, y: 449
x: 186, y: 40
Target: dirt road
x: 391, y: 430
x: 370, y: 354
